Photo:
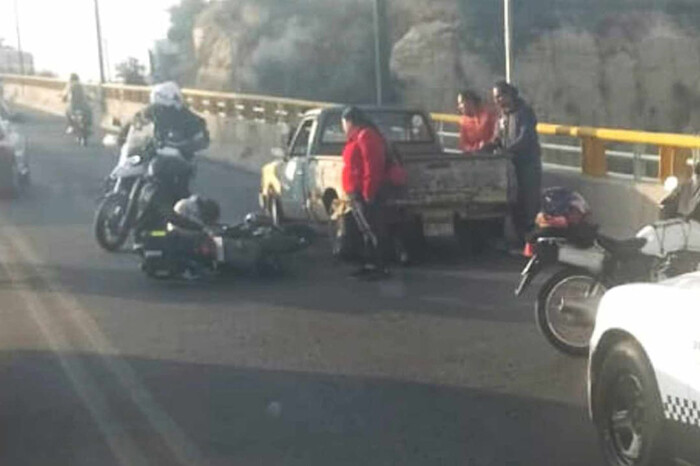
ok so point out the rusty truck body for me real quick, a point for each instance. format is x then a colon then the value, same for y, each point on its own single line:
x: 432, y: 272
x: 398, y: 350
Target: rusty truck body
x: 443, y: 191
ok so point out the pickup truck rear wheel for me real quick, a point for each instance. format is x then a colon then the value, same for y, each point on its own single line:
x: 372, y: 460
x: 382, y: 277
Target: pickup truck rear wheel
x: 409, y: 239
x: 472, y: 235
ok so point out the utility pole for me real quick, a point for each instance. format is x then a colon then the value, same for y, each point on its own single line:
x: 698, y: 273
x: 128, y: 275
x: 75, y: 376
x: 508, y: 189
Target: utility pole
x: 99, y: 42
x: 20, y: 54
x: 108, y: 65
x: 508, y: 33
x: 381, y: 69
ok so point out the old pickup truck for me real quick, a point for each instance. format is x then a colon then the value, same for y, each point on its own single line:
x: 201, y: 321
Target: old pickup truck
x: 446, y: 193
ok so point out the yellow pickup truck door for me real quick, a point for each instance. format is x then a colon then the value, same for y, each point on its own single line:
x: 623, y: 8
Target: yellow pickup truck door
x: 294, y: 172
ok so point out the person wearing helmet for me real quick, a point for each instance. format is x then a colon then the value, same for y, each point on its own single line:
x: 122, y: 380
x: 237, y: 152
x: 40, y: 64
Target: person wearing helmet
x: 204, y: 211
x: 175, y: 124
x: 74, y: 95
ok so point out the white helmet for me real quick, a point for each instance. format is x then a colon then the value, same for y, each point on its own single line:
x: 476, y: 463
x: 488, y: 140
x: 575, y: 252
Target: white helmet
x: 167, y: 94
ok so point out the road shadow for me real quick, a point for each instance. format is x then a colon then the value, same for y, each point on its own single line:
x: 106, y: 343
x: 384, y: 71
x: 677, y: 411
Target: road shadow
x: 247, y: 416
x: 310, y: 281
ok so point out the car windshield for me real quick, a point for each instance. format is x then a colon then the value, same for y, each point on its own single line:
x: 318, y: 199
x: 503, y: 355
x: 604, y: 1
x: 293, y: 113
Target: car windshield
x: 396, y: 126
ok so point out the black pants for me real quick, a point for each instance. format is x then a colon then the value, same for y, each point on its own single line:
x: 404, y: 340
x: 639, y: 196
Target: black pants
x: 370, y: 221
x: 527, y: 204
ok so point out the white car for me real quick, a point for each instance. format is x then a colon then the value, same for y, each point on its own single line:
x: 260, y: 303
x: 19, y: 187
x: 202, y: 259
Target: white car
x: 644, y: 373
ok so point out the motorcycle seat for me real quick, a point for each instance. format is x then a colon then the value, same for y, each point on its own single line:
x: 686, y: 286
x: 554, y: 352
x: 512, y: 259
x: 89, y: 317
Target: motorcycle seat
x: 621, y: 246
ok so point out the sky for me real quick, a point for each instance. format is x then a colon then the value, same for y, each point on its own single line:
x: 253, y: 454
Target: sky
x: 61, y: 34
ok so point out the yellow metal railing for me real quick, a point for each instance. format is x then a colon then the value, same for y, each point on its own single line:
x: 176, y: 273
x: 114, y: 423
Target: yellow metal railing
x: 673, y: 149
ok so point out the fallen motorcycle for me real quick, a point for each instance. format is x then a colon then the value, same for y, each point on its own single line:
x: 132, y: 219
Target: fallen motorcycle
x: 254, y: 245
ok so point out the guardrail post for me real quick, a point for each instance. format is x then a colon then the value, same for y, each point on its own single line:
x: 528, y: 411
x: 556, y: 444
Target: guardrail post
x: 593, y: 161
x: 638, y: 167
x: 673, y: 161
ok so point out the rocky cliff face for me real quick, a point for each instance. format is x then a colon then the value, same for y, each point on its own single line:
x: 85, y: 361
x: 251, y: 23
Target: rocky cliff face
x: 293, y: 48
x: 624, y: 67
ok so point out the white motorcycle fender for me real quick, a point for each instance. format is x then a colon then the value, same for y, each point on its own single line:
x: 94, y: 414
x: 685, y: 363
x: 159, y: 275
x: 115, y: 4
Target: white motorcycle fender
x: 669, y: 236
x: 591, y: 259
x: 122, y: 171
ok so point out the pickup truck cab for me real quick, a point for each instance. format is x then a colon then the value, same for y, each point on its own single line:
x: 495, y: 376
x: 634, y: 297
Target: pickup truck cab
x: 443, y: 191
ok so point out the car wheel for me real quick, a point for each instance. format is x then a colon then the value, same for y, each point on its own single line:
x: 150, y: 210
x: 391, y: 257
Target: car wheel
x: 627, y: 408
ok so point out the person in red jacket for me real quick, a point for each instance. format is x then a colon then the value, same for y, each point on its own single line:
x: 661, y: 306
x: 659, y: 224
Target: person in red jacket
x: 478, y: 123
x: 364, y: 166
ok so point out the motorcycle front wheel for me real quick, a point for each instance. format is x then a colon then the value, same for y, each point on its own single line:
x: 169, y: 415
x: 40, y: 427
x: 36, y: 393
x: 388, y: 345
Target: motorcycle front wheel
x: 566, y: 309
x: 111, y: 228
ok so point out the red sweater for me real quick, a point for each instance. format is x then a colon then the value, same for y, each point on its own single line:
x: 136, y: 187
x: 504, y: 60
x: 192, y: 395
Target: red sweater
x: 477, y: 130
x: 364, y: 162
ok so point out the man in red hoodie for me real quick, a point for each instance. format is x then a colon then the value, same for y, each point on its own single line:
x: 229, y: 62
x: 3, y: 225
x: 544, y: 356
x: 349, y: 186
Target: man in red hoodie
x: 364, y: 165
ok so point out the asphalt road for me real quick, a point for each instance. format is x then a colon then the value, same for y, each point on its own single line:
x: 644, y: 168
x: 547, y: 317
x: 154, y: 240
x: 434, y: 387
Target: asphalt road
x: 100, y: 366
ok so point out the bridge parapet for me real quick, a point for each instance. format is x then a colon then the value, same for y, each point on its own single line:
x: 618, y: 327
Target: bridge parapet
x: 623, y: 165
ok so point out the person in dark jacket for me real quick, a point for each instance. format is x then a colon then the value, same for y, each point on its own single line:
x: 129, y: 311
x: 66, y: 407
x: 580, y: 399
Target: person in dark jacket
x: 174, y: 124
x: 364, y: 162
x: 517, y: 136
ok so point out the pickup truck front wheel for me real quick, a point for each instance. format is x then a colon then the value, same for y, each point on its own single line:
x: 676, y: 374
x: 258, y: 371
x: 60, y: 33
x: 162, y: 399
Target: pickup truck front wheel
x: 346, y: 239
x: 275, y: 211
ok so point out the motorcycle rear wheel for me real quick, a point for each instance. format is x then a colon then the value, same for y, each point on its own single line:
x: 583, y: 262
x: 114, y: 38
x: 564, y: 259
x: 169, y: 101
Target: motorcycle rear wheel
x: 107, y: 238
x: 568, y: 331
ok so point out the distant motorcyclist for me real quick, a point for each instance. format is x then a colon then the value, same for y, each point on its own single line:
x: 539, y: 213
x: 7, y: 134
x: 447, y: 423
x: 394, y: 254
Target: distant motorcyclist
x: 174, y: 124
x: 74, y: 95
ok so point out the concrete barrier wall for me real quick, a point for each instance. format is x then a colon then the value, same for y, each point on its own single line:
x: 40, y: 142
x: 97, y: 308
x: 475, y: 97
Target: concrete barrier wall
x: 245, y: 144
x: 620, y: 207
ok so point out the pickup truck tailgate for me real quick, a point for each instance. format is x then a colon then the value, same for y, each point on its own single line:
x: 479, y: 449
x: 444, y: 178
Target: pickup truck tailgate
x: 456, y: 180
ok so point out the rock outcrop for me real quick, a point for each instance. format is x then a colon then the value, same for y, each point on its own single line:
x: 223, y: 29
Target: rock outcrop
x: 639, y: 69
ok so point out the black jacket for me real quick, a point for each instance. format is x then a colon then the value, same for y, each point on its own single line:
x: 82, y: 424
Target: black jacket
x: 517, y: 134
x: 174, y: 127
